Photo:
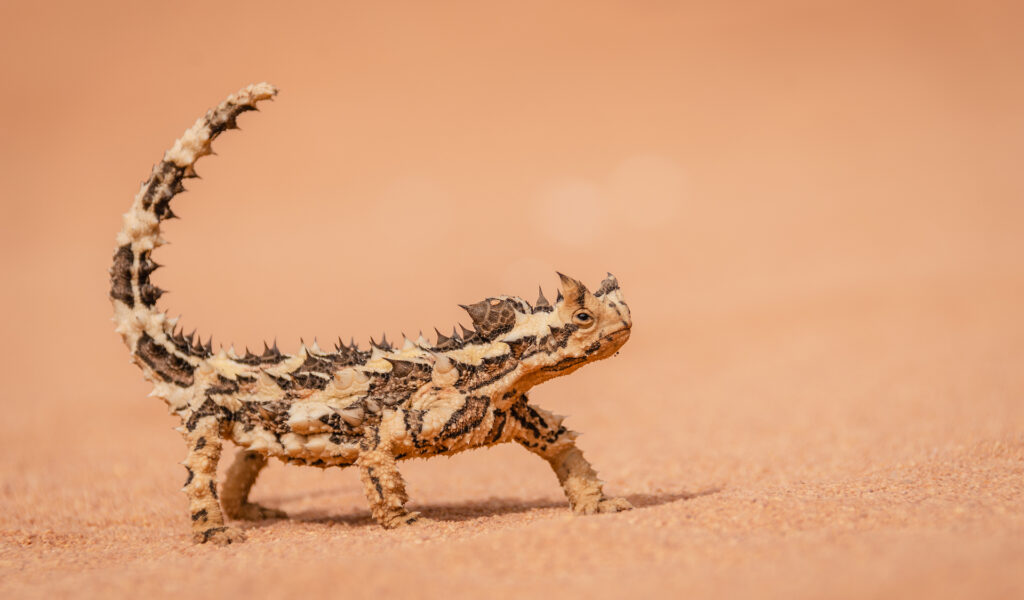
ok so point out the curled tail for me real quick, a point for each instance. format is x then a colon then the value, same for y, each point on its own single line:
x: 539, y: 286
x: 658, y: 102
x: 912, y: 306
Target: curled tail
x: 165, y: 358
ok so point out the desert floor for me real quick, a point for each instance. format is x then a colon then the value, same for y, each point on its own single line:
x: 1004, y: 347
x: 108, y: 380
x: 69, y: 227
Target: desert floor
x: 815, y: 215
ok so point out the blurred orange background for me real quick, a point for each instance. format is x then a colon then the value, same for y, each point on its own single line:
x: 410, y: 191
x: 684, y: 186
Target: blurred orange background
x: 815, y: 211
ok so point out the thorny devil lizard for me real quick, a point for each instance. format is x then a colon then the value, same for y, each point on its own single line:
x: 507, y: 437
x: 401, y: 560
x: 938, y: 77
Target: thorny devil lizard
x: 369, y: 408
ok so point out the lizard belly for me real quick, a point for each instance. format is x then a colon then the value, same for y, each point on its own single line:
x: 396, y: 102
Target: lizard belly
x: 297, y: 432
x: 317, y: 449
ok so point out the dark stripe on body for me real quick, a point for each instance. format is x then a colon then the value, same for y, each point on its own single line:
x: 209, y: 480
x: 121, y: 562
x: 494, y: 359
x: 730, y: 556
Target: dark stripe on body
x: 121, y: 276
x: 522, y: 346
x: 530, y: 419
x: 414, y: 426
x: 170, y: 367
x: 209, y: 408
x: 163, y: 184
x: 466, y: 417
x: 271, y: 416
x: 310, y: 381
x: 497, y: 426
x: 396, y: 386
x: 223, y: 386
x: 487, y: 372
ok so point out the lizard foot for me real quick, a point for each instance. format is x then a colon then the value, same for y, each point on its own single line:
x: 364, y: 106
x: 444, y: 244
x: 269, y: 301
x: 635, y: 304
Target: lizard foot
x: 221, y: 536
x: 603, y: 505
x: 404, y: 520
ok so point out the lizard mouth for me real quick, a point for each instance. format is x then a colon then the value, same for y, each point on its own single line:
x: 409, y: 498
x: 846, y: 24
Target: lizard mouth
x: 565, y: 363
x: 618, y: 337
x: 603, y: 348
x: 609, y: 344
x: 620, y: 333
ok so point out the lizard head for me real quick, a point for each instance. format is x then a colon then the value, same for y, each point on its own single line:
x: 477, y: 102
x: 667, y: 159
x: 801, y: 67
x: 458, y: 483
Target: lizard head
x: 550, y: 340
x: 593, y: 325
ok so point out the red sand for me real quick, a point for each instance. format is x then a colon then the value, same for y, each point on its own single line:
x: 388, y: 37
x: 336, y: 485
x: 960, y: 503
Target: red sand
x: 815, y: 214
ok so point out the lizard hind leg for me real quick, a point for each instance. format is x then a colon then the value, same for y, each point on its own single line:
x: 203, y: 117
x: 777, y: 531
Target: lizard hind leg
x: 204, y: 447
x: 234, y: 492
x: 385, y: 489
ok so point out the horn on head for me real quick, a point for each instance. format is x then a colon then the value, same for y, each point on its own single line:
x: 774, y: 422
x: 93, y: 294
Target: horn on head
x: 609, y: 285
x: 575, y: 292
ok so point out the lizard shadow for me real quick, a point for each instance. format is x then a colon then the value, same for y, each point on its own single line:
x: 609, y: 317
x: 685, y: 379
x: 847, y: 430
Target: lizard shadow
x: 492, y: 507
x: 480, y: 509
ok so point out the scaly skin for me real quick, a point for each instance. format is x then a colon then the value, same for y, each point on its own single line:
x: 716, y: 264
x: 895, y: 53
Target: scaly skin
x: 369, y: 408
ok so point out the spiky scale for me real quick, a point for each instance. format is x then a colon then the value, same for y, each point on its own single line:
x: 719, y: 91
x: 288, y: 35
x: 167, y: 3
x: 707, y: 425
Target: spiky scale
x: 150, y: 294
x: 469, y: 336
x: 492, y: 317
x: 383, y: 345
x: 400, y: 368
x: 270, y: 353
x: 541, y: 302
x: 147, y: 266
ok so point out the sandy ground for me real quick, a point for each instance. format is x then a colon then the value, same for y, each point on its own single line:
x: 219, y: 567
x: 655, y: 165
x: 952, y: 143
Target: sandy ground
x: 816, y: 216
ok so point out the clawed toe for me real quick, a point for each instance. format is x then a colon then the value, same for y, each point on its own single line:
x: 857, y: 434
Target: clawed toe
x: 404, y: 520
x: 603, y: 505
x: 613, y: 505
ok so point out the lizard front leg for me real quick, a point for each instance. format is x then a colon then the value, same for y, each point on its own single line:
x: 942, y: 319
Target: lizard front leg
x: 385, y: 489
x: 542, y: 433
x: 204, y: 447
x: 234, y: 492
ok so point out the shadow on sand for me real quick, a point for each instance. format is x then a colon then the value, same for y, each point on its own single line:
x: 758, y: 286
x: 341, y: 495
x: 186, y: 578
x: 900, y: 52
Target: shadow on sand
x: 478, y: 509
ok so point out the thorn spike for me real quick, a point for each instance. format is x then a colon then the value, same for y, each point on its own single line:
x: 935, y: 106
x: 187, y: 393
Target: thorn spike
x: 541, y: 302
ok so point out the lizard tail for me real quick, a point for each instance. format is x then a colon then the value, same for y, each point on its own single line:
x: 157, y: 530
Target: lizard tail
x: 165, y: 357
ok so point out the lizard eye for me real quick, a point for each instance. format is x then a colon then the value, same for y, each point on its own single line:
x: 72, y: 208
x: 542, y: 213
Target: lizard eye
x: 583, y: 318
